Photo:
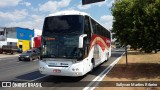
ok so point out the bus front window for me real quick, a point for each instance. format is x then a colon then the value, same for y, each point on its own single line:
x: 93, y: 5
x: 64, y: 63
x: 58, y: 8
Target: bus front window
x: 68, y: 24
x: 61, y: 36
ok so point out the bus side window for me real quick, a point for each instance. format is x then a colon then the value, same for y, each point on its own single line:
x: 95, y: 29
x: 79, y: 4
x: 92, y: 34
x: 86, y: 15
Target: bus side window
x: 87, y: 29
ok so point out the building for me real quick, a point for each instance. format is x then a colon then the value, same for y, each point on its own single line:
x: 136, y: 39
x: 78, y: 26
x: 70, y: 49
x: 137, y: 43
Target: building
x: 16, y: 36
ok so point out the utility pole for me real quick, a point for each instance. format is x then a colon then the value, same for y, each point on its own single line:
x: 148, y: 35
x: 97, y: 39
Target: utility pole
x: 126, y: 56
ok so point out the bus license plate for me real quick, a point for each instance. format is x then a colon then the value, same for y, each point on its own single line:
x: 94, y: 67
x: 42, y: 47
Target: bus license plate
x: 56, y: 71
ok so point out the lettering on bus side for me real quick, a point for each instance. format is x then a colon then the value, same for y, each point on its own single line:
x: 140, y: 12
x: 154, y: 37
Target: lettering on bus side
x: 66, y: 64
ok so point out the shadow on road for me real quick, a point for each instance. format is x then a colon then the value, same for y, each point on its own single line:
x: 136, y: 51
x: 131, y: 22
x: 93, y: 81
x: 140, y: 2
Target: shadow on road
x: 28, y: 76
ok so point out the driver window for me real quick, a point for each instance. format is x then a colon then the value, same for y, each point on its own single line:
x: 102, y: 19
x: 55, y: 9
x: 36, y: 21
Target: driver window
x: 87, y: 29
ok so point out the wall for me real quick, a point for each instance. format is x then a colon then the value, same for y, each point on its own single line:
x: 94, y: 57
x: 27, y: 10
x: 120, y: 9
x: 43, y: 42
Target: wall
x: 24, y: 44
x: 24, y: 37
x: 24, y: 34
x: 11, y: 33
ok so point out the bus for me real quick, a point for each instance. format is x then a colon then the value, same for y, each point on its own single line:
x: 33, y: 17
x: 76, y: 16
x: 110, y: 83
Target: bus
x: 73, y: 44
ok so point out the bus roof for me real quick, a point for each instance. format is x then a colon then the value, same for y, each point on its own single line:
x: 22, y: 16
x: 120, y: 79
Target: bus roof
x: 69, y: 12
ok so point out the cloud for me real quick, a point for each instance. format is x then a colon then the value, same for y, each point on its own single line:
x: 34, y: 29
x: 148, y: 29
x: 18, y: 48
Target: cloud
x: 26, y: 4
x: 83, y: 7
x: 107, y: 21
x: 52, y: 6
x: 13, y: 16
x: 7, y: 3
x: 33, y: 22
x: 108, y: 3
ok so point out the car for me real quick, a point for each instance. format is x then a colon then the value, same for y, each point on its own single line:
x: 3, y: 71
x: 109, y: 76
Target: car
x: 29, y: 55
x: 118, y: 46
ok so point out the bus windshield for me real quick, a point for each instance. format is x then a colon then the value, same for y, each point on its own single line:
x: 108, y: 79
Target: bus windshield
x: 60, y: 36
x: 67, y: 24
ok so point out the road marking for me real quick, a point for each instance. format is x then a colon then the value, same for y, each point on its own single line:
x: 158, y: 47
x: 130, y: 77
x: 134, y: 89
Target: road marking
x: 37, y: 79
x: 101, y: 75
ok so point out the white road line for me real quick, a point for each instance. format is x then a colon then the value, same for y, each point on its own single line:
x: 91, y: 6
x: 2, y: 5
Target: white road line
x: 37, y: 79
x: 101, y: 75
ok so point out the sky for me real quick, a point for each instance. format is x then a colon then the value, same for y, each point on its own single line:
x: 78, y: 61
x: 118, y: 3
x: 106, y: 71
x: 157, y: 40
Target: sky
x: 31, y: 13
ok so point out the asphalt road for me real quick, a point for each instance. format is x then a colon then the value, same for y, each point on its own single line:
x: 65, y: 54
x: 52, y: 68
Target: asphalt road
x: 13, y: 70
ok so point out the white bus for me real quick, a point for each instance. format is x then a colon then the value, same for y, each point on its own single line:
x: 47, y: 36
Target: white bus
x: 73, y: 44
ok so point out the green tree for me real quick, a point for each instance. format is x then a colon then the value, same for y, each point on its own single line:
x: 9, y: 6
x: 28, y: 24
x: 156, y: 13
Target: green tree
x: 136, y: 22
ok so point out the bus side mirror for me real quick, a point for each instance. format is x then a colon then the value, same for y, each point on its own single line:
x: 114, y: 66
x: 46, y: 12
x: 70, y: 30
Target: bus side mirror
x: 81, y: 40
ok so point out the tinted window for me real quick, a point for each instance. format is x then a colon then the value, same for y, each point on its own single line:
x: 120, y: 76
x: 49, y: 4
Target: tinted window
x: 93, y: 26
x: 63, y: 46
x: 67, y: 24
x: 100, y: 30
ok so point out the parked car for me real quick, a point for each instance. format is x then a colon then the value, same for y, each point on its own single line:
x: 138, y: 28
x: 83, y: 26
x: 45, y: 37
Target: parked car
x: 29, y: 55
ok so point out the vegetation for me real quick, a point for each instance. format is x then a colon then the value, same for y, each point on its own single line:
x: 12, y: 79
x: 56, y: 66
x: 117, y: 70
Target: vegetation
x: 137, y: 23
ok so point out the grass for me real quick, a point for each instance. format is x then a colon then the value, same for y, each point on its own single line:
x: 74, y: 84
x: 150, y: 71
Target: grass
x: 141, y: 67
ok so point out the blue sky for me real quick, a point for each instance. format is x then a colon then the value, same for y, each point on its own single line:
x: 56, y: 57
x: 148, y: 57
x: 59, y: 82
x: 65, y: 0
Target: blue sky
x: 31, y: 13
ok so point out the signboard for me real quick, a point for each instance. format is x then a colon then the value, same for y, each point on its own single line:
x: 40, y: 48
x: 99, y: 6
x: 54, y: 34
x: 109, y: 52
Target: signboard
x: 90, y: 1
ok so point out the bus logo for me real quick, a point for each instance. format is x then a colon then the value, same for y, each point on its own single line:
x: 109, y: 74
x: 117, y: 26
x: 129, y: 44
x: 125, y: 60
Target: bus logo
x: 54, y: 64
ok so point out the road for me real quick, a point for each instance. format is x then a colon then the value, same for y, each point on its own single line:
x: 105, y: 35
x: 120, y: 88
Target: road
x: 13, y: 70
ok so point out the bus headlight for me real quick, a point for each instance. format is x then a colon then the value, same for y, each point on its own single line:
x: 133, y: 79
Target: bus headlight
x: 27, y: 56
x: 73, y: 69
x: 77, y: 69
x: 41, y: 68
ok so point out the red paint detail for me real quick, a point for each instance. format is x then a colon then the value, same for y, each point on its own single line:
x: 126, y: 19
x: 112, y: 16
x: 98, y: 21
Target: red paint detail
x: 101, y: 45
x: 106, y: 40
x: 37, y: 41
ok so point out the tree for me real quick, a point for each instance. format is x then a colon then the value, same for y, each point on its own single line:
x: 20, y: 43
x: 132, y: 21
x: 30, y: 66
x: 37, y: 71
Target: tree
x: 136, y: 22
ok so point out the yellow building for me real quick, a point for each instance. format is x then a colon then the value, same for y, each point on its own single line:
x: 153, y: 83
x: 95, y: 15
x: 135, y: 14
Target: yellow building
x: 24, y: 44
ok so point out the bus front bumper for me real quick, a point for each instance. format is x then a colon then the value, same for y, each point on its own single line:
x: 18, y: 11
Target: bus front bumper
x: 72, y: 70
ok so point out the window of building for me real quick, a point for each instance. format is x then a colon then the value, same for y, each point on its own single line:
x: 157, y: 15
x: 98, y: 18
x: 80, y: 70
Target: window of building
x: 1, y: 32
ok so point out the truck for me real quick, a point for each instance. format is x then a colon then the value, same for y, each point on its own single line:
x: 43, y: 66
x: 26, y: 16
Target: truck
x: 8, y: 49
x: 1, y: 44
